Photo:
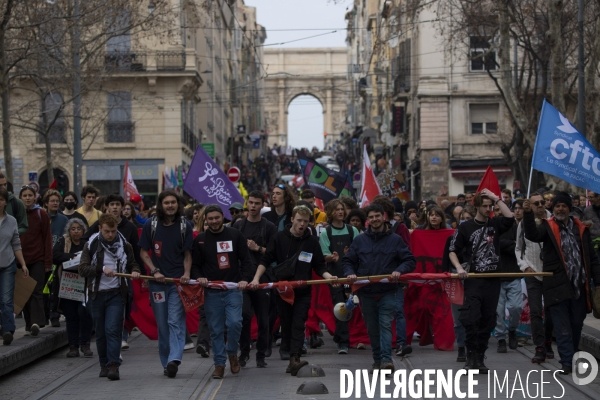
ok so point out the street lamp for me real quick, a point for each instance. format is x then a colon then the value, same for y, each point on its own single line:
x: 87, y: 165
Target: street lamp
x: 151, y: 7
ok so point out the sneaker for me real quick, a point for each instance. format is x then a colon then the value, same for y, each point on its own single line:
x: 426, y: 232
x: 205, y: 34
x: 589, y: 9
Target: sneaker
x: 549, y: 351
x: 218, y: 372
x: 121, y: 357
x: 87, y: 352
x: 124, y: 345
x: 278, y: 342
x: 73, y: 352
x: 113, y: 372
x: 540, y: 355
x: 404, y: 350
x: 35, y: 329
x: 342, y: 349
x: 172, y: 369
x: 202, y: 350
x: 502, y: 346
x: 566, y: 370
x: 243, y: 359
x: 7, y: 338
x: 103, y: 371
x: 462, y: 355
x: 361, y: 346
x: 261, y: 363
x: 188, y: 346
x: 314, y: 341
x: 512, y: 340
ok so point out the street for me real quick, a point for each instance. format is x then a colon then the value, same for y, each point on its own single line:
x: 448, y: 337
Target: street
x: 57, y: 377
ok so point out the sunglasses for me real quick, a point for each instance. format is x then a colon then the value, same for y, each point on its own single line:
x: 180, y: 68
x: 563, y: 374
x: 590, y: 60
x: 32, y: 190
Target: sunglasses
x: 234, y: 211
x: 537, y: 203
x: 280, y: 186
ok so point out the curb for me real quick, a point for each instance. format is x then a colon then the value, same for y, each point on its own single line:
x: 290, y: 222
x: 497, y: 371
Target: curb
x: 590, y: 343
x: 25, y: 350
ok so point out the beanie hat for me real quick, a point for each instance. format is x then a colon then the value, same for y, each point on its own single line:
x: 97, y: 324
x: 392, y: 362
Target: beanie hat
x: 397, y: 205
x: 563, y: 197
x: 411, y: 205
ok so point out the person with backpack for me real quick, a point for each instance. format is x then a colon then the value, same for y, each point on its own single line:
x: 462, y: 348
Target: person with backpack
x: 258, y: 232
x: 169, y: 235
x: 15, y: 207
x: 335, y: 241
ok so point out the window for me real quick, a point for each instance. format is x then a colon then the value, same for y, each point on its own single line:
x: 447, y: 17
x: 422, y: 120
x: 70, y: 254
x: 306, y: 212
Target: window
x: 188, y: 125
x: 118, y: 45
x: 483, y: 118
x: 483, y: 58
x: 52, y: 120
x: 120, y: 125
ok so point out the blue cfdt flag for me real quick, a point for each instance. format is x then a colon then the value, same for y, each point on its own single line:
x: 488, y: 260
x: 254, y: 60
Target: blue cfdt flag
x: 562, y: 151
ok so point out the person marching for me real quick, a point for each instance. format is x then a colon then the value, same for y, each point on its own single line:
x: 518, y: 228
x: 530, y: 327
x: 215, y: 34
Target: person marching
x: 480, y: 240
x: 335, y: 241
x: 221, y: 254
x: 295, y: 243
x: 258, y: 233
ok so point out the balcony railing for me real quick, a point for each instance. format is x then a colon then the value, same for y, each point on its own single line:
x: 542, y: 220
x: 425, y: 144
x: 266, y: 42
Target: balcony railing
x: 188, y: 138
x: 57, y: 134
x: 120, y: 132
x: 125, y: 61
x: 170, y: 61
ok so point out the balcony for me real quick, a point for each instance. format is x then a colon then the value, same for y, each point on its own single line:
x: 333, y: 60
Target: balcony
x: 57, y: 134
x: 121, y: 61
x: 188, y: 138
x: 120, y: 132
x: 170, y: 61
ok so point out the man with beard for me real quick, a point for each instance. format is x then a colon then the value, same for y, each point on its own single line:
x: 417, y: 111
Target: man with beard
x: 378, y: 252
x: 170, y: 237
x: 258, y: 233
x: 479, y: 238
x: 295, y: 241
x: 569, y: 254
x: 529, y: 258
x: 221, y: 254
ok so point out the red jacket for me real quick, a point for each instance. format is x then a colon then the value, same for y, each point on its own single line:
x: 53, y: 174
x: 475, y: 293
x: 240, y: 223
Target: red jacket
x: 37, y: 241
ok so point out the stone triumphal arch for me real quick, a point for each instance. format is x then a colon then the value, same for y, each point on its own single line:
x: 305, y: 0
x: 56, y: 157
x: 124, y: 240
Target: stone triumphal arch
x: 319, y: 72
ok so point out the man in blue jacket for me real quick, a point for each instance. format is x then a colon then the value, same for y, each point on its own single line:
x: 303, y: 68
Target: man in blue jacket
x: 378, y: 252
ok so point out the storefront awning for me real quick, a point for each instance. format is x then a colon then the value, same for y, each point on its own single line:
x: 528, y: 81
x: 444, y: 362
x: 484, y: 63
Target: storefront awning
x: 479, y: 171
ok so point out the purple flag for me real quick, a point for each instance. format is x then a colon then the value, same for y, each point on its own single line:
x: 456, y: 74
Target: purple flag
x: 208, y: 184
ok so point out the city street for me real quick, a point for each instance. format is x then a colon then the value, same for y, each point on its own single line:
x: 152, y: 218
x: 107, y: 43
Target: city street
x: 58, y: 377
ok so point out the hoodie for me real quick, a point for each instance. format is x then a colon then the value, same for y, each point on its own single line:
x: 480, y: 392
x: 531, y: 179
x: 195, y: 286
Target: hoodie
x: 20, y: 215
x: 285, y: 245
x: 378, y: 253
x: 36, y: 243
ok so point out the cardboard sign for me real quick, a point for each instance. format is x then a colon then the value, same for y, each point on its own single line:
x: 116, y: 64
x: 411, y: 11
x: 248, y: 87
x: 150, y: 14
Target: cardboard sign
x: 23, y: 289
x: 72, y: 286
x: 73, y: 264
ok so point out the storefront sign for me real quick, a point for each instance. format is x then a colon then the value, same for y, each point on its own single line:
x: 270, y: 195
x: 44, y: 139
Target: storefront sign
x: 209, y: 148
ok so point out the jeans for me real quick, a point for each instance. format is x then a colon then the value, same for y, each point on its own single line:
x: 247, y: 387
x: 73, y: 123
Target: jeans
x: 223, y: 308
x: 478, y: 313
x: 511, y: 298
x: 378, y: 315
x: 170, y: 319
x: 400, y: 320
x: 79, y: 322
x: 568, y: 316
x: 107, y: 313
x: 342, y: 333
x: 7, y: 292
x: 534, y: 296
x: 255, y: 302
x: 34, y: 311
x: 293, y: 320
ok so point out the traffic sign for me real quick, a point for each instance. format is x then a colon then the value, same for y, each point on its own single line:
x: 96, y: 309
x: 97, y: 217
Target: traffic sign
x: 233, y: 174
x: 209, y: 148
x: 35, y: 185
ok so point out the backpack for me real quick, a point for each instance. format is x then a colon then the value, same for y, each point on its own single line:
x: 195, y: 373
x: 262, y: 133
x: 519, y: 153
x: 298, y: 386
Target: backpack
x: 182, y: 226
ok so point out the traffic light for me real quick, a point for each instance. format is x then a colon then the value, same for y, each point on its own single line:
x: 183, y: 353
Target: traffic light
x: 62, y: 184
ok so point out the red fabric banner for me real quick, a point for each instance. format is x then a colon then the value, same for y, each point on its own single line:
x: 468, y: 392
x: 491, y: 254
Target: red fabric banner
x: 426, y: 306
x: 192, y: 296
x: 489, y: 182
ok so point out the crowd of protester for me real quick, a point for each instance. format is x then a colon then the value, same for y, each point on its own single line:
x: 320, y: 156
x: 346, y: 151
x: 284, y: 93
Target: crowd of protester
x: 281, y: 235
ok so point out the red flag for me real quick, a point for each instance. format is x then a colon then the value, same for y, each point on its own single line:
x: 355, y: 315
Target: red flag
x: 129, y: 188
x: 370, y: 187
x: 490, y: 182
x: 54, y: 184
x: 319, y: 204
x: 192, y: 296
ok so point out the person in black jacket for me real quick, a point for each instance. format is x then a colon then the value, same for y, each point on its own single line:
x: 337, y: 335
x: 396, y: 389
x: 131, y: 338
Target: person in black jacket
x: 283, y: 201
x: 79, y: 320
x: 221, y: 254
x: 295, y: 241
x: 569, y: 254
x: 511, y: 293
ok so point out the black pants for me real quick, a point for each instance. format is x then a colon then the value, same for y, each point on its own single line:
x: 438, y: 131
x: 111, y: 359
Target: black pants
x: 203, y: 332
x: 273, y: 314
x: 342, y: 334
x: 293, y: 317
x: 34, y: 310
x: 478, y: 313
x: 256, y: 302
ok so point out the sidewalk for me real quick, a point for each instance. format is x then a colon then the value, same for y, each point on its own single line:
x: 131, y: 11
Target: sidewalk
x: 26, y: 349
x: 590, y: 336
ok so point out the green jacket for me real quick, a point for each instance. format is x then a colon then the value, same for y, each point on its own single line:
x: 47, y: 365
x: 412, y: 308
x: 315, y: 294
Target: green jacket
x: 21, y: 216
